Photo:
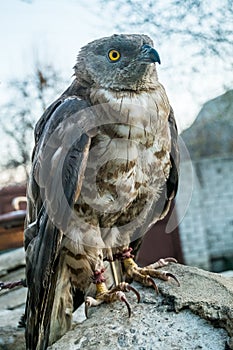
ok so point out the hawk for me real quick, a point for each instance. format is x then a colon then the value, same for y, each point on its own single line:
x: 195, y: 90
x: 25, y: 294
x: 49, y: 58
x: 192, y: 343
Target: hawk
x: 104, y: 169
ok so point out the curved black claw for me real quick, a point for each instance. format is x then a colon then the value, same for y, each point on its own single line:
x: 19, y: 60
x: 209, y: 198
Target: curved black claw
x: 124, y: 299
x: 153, y: 284
x: 87, y: 306
x: 170, y: 260
x: 135, y: 292
x: 168, y: 274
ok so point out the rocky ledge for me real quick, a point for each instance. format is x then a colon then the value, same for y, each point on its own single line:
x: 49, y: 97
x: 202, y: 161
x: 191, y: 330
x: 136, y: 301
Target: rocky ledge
x: 196, y: 315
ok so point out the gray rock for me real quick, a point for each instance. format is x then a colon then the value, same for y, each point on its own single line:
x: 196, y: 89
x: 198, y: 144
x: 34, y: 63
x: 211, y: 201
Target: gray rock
x: 152, y: 326
x: 11, y: 337
x: 12, y: 260
x: 14, y: 299
x: 165, y: 322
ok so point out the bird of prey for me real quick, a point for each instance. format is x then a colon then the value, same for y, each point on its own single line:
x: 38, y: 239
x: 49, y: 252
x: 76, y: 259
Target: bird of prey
x: 104, y: 169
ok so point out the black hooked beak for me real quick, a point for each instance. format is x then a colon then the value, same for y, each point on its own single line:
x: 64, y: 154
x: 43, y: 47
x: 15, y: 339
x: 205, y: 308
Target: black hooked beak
x: 149, y: 54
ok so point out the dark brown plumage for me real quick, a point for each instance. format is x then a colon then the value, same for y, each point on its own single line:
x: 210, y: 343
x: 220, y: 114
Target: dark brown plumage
x: 104, y: 169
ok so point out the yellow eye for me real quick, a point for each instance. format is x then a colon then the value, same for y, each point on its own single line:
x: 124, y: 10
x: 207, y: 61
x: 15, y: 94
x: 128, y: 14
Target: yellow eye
x: 114, y: 55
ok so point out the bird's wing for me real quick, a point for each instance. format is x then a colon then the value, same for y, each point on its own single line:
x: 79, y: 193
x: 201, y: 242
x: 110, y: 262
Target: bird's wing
x: 59, y: 161
x: 172, y: 181
x: 160, y: 208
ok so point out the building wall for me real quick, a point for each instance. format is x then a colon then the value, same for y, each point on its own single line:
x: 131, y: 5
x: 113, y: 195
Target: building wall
x: 206, y: 229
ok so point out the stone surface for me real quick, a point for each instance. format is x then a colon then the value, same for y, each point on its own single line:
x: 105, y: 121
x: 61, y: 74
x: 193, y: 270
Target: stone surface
x: 11, y: 260
x: 165, y: 322
x: 196, y: 315
x: 152, y: 326
x: 14, y: 299
x: 11, y: 337
x: 207, y: 294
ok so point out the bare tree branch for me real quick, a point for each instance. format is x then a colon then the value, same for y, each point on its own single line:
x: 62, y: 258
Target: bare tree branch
x: 203, y: 24
x: 30, y: 97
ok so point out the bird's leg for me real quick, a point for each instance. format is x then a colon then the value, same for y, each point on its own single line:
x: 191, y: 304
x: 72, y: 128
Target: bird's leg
x: 104, y: 295
x: 145, y: 275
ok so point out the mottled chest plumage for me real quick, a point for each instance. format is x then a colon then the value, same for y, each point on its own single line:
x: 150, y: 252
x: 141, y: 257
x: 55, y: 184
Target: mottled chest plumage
x: 129, y: 156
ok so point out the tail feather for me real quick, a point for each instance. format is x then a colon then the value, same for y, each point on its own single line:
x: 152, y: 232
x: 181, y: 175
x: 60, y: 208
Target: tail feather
x: 42, y: 272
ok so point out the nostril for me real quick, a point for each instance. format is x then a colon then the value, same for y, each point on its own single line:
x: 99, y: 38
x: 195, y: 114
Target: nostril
x: 145, y: 48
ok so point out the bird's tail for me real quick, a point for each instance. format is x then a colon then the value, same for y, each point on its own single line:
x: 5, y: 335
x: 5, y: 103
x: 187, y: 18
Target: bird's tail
x: 51, y: 318
x: 43, y: 272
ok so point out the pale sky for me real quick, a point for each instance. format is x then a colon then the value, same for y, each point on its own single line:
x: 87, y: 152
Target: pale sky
x: 54, y: 30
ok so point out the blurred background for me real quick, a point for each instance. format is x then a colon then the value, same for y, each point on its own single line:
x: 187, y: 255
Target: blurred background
x: 39, y: 43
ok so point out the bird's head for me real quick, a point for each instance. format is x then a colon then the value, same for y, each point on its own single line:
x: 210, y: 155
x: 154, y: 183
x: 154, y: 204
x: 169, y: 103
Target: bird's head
x: 118, y: 62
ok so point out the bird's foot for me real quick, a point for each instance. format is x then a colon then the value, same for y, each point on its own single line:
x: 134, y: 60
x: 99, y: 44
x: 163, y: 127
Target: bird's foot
x: 104, y: 295
x: 145, y: 275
